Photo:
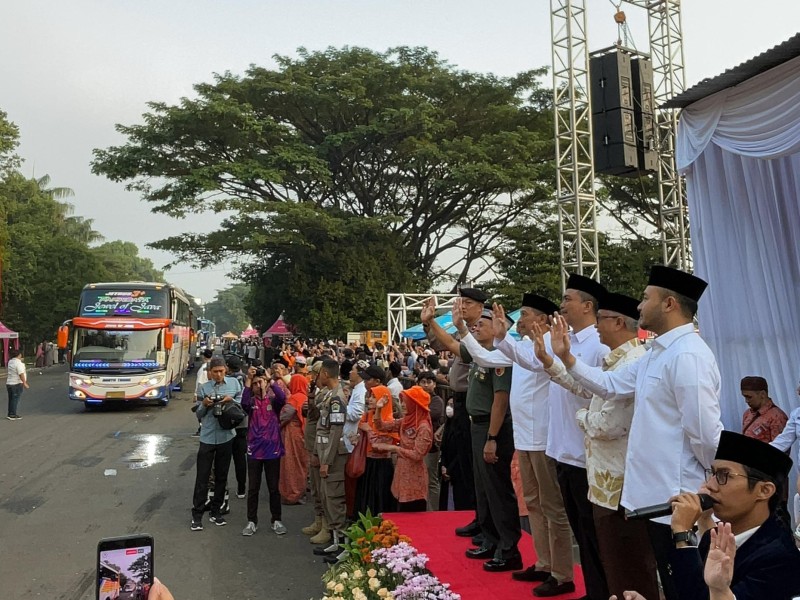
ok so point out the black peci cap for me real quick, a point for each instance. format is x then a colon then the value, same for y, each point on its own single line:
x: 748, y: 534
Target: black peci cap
x: 620, y: 303
x: 677, y: 281
x: 474, y: 294
x: 753, y: 453
x: 540, y: 303
x: 587, y: 285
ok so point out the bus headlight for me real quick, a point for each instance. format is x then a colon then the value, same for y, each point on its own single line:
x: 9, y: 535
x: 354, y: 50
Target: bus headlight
x: 153, y: 393
x: 157, y: 380
x: 80, y: 381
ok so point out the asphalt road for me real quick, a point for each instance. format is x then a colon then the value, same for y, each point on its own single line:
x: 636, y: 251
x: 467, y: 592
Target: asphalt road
x: 58, y: 497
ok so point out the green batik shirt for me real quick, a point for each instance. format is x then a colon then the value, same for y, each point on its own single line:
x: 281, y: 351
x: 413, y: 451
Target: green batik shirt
x: 483, y: 383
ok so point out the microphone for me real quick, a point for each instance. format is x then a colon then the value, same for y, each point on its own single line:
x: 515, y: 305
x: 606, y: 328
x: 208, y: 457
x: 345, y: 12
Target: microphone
x: 664, y: 510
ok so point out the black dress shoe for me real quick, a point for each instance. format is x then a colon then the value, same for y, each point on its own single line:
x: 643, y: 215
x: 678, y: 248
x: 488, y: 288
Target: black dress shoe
x: 468, y: 530
x: 481, y: 552
x: 498, y: 565
x: 551, y: 587
x: 531, y: 574
x: 478, y: 540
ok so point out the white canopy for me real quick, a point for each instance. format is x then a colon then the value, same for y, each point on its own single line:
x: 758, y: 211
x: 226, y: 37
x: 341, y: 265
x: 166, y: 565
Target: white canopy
x: 740, y: 152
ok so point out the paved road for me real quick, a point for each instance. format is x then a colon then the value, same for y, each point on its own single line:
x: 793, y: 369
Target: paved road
x: 56, y: 501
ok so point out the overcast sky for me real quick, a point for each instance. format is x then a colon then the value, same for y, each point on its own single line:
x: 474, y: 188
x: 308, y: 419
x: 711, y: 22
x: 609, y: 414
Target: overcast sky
x: 72, y: 70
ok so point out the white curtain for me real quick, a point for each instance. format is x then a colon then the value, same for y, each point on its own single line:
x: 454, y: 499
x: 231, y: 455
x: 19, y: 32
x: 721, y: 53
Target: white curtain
x: 740, y: 152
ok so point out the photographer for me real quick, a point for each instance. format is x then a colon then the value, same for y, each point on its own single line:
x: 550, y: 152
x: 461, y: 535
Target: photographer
x: 216, y: 443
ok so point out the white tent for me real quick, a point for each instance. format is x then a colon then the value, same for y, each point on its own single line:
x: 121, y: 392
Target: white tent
x: 739, y: 148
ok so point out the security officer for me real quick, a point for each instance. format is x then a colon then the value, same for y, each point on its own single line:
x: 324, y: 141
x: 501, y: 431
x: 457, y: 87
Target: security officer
x: 457, y: 430
x: 332, y: 454
x: 319, y: 528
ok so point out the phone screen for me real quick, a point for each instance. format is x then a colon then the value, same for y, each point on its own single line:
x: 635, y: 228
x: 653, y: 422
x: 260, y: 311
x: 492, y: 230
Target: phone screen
x: 125, y: 568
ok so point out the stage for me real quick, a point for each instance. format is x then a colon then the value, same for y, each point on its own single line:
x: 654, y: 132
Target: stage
x: 432, y: 533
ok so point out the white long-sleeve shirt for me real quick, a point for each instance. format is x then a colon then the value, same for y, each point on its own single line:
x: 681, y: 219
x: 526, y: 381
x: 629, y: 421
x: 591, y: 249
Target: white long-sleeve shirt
x: 676, y: 420
x: 564, y: 438
x: 527, y: 398
x: 355, y: 409
x: 790, y: 434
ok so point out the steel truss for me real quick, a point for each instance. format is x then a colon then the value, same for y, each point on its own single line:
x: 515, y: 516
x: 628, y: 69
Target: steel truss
x: 398, y: 306
x: 575, y: 185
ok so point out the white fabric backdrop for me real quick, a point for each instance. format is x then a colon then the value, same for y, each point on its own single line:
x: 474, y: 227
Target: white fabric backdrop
x: 740, y: 152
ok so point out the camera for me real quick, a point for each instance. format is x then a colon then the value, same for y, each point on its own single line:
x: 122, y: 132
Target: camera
x: 217, y: 411
x: 260, y: 371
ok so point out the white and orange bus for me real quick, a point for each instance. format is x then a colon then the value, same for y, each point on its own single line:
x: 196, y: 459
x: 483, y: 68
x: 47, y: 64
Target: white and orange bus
x: 130, y: 342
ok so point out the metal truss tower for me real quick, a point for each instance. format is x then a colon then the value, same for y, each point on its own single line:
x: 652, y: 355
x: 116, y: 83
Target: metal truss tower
x: 575, y: 186
x: 575, y: 191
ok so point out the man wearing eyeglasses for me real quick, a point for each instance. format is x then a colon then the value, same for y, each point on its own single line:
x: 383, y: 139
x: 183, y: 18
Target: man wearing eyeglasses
x: 749, y: 555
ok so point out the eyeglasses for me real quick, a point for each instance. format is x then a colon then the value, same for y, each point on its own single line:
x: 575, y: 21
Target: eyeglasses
x: 722, y: 476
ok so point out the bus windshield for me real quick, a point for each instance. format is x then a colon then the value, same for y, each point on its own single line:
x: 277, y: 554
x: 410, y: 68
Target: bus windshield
x: 116, y: 346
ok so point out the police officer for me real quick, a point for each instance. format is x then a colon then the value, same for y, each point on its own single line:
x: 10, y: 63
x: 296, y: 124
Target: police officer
x: 318, y: 530
x: 332, y: 454
x: 492, y: 450
x: 457, y: 430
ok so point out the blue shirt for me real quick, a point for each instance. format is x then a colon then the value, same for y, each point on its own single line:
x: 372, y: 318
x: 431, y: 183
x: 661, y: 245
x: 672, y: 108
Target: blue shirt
x: 211, y: 432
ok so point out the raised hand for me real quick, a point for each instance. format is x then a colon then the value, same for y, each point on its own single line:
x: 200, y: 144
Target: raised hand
x: 499, y: 323
x: 719, y: 563
x: 539, y: 348
x: 458, y: 318
x: 559, y: 338
x: 428, y: 310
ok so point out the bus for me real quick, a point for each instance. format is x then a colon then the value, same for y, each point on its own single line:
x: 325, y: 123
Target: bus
x: 128, y: 343
x: 108, y: 582
x: 206, y: 335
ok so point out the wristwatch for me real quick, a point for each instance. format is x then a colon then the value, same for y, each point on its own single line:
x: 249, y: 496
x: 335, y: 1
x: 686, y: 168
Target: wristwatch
x: 491, y: 438
x: 689, y: 537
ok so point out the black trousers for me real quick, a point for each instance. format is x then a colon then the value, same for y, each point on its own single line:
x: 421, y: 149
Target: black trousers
x: 240, y: 459
x: 498, y: 511
x: 463, y: 484
x: 661, y: 539
x: 272, y: 473
x: 413, y: 506
x: 208, y: 455
x: 574, y: 486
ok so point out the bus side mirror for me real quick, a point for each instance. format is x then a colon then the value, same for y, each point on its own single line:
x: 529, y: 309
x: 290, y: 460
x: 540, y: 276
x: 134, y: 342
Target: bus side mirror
x: 168, y: 339
x: 63, y: 335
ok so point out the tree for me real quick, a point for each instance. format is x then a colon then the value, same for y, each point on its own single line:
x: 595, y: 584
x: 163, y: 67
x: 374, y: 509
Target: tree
x: 141, y: 566
x: 120, y: 261
x: 227, y: 309
x: 443, y: 159
x: 9, y: 140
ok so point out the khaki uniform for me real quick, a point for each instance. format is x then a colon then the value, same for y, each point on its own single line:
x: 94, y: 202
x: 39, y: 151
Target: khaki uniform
x: 310, y: 442
x: 332, y: 452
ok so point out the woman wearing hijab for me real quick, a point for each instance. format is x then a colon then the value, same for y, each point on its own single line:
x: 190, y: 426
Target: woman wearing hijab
x: 410, y: 483
x: 374, y: 486
x: 294, y: 464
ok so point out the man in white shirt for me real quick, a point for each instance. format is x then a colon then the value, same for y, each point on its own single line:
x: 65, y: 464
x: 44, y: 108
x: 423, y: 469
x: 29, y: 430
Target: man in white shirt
x: 529, y: 404
x: 17, y: 381
x: 676, y: 384
x: 625, y: 548
x: 394, y: 385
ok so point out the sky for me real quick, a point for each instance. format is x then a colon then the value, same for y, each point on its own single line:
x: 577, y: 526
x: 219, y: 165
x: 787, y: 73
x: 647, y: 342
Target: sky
x: 70, y: 71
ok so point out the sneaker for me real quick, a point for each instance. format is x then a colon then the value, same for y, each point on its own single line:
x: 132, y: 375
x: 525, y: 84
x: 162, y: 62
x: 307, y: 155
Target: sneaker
x: 250, y: 529
x: 10, y: 417
x: 219, y: 520
x: 240, y: 495
x: 279, y: 528
x: 197, y: 525
x: 15, y: 418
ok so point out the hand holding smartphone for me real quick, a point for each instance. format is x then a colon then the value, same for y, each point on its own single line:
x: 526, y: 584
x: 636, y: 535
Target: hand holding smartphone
x: 125, y: 567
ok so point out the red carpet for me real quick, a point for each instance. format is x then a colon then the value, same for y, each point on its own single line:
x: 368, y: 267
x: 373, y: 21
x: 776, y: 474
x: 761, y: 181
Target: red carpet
x: 432, y: 533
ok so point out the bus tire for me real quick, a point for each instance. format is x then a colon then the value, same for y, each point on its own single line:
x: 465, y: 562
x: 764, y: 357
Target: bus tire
x: 87, y: 407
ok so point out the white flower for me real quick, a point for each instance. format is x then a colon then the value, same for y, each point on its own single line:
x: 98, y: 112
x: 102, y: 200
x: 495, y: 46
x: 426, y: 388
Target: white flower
x: 372, y: 573
x: 339, y: 588
x: 383, y: 592
x: 343, y: 575
x: 330, y: 585
x: 358, y: 574
x: 374, y: 584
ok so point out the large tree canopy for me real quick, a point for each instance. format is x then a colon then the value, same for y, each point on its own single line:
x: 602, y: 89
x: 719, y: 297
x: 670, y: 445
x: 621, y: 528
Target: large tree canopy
x: 446, y: 158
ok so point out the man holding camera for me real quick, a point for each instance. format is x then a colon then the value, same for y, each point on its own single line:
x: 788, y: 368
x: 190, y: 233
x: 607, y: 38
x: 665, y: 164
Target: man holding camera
x: 216, y: 443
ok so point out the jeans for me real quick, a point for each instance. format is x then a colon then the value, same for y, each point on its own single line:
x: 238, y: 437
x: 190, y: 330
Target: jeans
x: 14, y: 394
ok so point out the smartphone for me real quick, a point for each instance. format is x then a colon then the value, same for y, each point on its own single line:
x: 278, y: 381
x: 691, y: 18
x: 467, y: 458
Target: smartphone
x: 125, y: 567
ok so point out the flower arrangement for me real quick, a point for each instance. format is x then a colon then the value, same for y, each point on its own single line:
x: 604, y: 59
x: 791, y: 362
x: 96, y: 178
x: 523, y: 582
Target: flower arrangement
x: 382, y: 565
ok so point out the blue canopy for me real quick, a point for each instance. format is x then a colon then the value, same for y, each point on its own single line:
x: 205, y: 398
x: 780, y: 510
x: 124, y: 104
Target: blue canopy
x: 446, y: 322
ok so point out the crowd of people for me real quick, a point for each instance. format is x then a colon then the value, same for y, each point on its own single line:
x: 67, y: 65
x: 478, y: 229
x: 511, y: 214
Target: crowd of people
x: 574, y: 425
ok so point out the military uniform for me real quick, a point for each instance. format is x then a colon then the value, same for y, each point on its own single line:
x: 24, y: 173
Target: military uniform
x: 498, y: 512
x: 332, y: 452
x: 310, y: 442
